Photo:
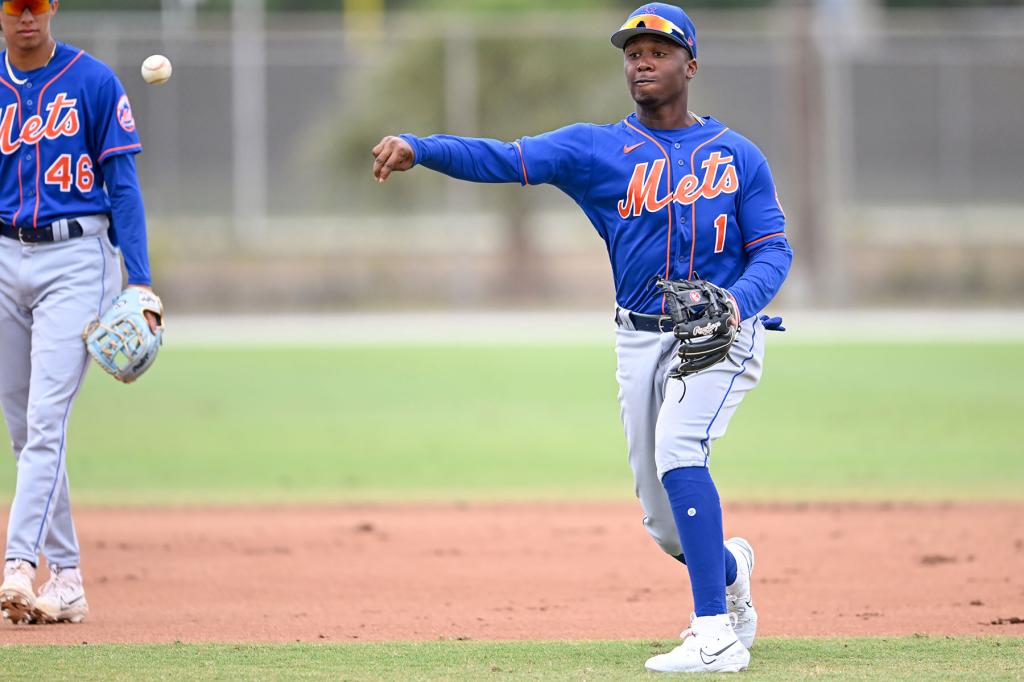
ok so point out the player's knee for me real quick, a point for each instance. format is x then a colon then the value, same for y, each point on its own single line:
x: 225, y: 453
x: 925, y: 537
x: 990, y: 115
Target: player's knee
x: 676, y: 450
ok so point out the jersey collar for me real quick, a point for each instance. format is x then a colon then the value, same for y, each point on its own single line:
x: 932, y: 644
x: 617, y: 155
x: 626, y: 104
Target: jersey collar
x: 703, y: 125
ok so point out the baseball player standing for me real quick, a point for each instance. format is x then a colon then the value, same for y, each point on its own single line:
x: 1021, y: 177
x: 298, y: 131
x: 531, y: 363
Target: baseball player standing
x: 70, y: 193
x: 675, y: 196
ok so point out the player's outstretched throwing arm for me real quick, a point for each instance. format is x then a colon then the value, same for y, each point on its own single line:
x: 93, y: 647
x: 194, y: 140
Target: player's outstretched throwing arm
x: 487, y: 160
x: 465, y: 158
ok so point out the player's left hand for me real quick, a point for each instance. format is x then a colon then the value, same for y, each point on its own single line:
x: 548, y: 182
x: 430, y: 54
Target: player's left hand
x: 151, y: 317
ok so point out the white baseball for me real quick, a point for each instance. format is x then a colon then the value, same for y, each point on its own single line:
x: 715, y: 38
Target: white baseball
x: 156, y: 69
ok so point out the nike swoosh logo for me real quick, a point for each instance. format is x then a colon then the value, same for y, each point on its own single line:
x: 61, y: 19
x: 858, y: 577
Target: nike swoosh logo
x: 704, y: 655
x: 73, y: 601
x: 628, y: 148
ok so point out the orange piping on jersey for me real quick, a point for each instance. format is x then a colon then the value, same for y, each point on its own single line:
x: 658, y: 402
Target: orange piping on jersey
x: 21, y: 194
x: 522, y: 162
x: 693, y: 206
x: 119, y: 149
x: 758, y: 241
x: 39, y: 160
x: 668, y: 166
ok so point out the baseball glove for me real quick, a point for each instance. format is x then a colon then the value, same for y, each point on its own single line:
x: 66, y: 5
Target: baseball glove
x: 705, y: 323
x: 121, y: 341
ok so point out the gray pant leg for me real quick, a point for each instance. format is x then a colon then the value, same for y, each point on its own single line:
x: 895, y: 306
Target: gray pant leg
x: 72, y: 282
x: 61, y: 545
x: 643, y: 359
x: 697, y: 412
x: 15, y: 339
x: 667, y: 429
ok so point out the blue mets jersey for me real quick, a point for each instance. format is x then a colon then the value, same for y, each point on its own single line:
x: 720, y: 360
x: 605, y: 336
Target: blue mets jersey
x: 58, y: 124
x: 697, y: 202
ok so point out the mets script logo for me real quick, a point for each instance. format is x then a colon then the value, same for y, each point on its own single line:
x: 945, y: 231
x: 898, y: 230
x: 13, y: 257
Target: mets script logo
x: 642, y: 193
x: 124, y: 114
x: 61, y: 120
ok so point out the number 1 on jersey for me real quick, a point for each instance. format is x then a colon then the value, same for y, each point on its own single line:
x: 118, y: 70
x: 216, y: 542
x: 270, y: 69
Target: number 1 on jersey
x: 721, y: 222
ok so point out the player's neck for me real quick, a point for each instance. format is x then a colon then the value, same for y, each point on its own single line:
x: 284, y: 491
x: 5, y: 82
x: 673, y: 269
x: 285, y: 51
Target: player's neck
x: 665, y: 116
x: 35, y: 58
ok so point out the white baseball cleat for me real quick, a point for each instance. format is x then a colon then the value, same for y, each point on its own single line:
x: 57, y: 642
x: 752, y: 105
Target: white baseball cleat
x: 62, y: 597
x: 737, y: 595
x: 17, y: 599
x: 709, y: 646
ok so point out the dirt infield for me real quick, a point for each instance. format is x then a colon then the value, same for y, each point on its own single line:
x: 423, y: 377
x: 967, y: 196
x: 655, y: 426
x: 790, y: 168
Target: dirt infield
x: 530, y: 571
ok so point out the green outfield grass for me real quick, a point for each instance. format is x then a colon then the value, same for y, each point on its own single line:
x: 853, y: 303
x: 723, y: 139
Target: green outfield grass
x: 914, y: 658
x: 870, y: 421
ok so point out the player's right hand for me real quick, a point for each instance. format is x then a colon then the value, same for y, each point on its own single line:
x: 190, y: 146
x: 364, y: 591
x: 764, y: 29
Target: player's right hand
x: 391, y: 154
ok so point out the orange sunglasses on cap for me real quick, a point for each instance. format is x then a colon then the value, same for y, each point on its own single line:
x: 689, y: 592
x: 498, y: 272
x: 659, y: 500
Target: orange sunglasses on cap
x: 652, y: 21
x: 15, y: 8
x: 655, y: 23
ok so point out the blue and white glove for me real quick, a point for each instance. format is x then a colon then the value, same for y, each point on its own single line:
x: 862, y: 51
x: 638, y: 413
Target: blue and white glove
x: 121, y: 341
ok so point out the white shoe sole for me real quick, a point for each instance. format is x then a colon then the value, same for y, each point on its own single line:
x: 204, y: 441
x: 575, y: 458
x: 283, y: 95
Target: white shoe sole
x: 66, y: 616
x: 733, y: 664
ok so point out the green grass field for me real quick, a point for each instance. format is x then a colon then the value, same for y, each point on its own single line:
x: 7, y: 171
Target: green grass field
x: 851, y: 422
x: 865, y: 421
x: 781, y: 660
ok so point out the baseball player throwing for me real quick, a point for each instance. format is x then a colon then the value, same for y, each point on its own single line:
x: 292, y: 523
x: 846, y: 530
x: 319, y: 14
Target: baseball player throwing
x: 680, y: 200
x: 70, y: 193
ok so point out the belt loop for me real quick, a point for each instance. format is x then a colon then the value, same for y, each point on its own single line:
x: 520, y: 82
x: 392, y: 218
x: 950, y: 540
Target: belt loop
x: 60, y: 230
x: 624, y: 319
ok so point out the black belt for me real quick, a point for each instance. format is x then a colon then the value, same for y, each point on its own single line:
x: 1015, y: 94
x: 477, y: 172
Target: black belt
x: 44, y: 233
x: 651, y: 323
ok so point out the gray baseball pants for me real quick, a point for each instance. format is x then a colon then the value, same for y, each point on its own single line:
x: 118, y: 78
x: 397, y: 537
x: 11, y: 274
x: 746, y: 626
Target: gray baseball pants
x: 671, y: 425
x: 48, y: 293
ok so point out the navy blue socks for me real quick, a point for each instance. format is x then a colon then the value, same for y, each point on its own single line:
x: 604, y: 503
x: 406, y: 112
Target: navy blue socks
x: 730, y: 568
x: 698, y: 513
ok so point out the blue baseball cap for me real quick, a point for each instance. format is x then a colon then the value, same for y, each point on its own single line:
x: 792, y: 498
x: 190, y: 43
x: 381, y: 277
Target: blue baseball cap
x: 660, y: 19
